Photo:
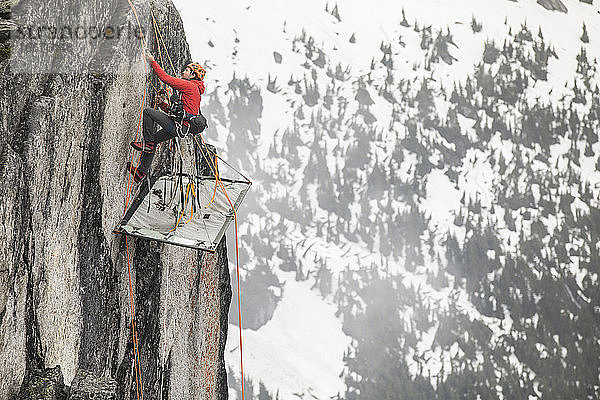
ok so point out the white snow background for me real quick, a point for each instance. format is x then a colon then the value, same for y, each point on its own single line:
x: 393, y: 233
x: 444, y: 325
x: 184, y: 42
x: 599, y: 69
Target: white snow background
x: 298, y: 353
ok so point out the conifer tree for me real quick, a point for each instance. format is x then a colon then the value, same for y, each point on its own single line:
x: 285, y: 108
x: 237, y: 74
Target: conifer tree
x: 584, y: 36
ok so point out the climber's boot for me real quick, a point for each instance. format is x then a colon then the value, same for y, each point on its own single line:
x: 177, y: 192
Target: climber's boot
x: 145, y: 147
x: 138, y: 175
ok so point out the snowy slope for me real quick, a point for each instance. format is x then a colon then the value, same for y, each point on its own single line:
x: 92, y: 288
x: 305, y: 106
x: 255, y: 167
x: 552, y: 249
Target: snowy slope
x: 300, y: 350
x: 245, y: 34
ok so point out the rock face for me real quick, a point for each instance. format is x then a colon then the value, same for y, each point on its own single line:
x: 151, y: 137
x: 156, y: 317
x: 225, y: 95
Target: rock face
x: 43, y: 384
x: 65, y: 307
x: 86, y: 385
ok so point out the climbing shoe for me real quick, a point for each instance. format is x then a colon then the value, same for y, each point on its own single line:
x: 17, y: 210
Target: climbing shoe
x: 138, y: 175
x: 146, y: 147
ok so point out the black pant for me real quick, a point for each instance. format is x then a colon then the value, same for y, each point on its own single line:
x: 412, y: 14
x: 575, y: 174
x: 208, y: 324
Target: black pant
x: 168, y: 131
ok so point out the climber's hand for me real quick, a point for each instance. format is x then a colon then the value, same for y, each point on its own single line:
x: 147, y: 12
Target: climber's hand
x: 149, y: 56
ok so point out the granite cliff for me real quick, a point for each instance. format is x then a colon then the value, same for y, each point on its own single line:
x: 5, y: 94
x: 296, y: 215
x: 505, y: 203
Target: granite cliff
x: 66, y: 120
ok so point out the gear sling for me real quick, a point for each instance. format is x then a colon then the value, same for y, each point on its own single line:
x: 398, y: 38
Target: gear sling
x: 184, y: 121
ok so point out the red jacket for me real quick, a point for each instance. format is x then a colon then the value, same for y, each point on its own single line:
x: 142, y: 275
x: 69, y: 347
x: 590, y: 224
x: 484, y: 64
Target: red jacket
x: 191, y: 91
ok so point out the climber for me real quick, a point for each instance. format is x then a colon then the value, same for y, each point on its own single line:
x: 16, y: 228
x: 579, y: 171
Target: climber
x: 191, y: 87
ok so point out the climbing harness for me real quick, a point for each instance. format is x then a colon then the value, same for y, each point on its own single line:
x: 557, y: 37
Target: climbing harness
x: 185, y: 122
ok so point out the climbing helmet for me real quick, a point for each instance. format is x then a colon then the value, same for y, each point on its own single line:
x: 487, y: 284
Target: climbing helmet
x: 197, y: 69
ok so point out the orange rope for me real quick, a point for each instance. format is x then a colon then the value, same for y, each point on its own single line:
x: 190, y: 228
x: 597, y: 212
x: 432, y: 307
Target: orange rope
x: 160, y: 53
x: 215, y: 188
x: 183, y: 208
x: 213, y: 195
x: 217, y: 180
x: 136, y: 353
x: 192, y: 208
x: 143, y: 47
x: 157, y: 29
x: 162, y: 61
x: 138, y: 371
x: 213, y: 168
x: 129, y: 182
x: 216, y: 177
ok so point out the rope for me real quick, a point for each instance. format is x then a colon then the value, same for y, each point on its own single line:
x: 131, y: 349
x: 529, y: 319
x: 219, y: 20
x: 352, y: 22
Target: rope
x: 215, y: 188
x: 138, y: 368
x: 162, y: 61
x: 213, y: 168
x: 136, y: 353
x: 157, y: 29
x: 160, y: 53
x: 192, y: 208
x: 129, y: 182
x: 230, y: 166
x: 190, y: 184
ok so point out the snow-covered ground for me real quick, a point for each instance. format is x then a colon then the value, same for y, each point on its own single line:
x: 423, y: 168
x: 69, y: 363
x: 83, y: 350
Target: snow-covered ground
x: 241, y: 36
x: 299, y: 351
